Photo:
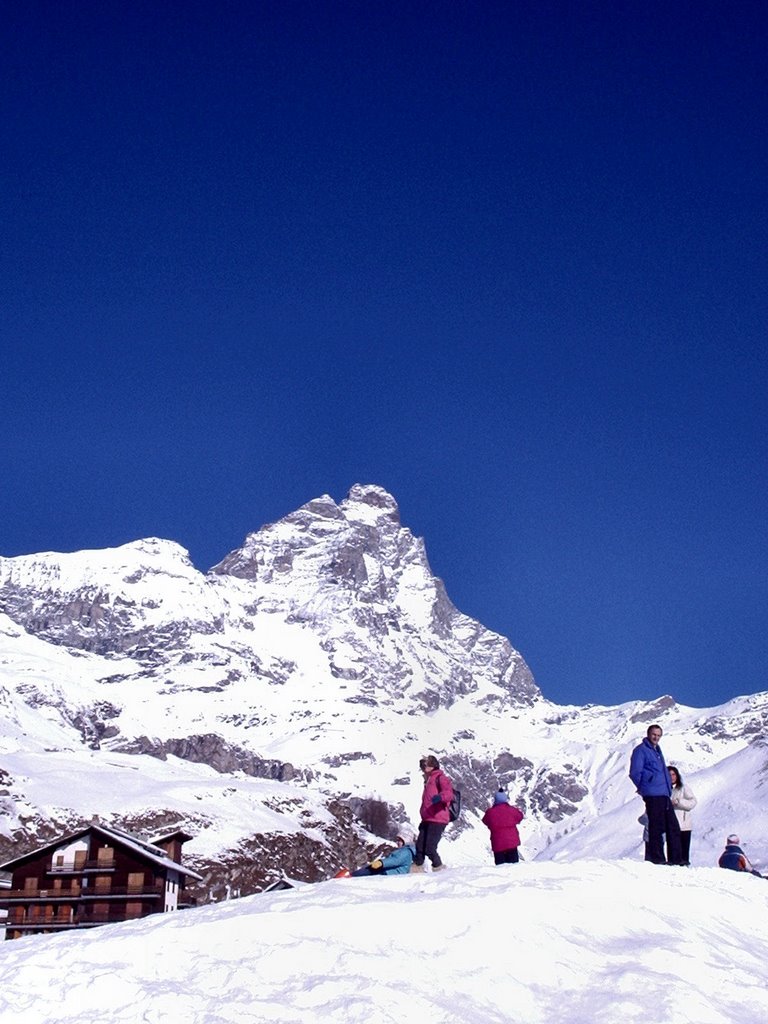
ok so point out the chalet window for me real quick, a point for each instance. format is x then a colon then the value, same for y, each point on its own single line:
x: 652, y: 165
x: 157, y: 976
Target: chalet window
x: 30, y: 885
x: 103, y: 883
x: 80, y: 858
x: 105, y: 855
x: 133, y: 909
x: 135, y: 881
x: 59, y: 862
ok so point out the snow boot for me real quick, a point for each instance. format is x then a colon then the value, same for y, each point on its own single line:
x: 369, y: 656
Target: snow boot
x: 416, y: 868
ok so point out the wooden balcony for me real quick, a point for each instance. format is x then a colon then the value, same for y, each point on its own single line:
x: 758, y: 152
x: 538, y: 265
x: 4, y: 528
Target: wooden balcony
x: 121, y: 892
x: 107, y: 864
x: 80, y: 917
x: 11, y: 897
x: 53, y: 924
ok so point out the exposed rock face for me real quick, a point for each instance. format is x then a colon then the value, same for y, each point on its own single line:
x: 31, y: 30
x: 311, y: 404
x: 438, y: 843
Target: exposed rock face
x: 212, y: 750
x: 362, y: 581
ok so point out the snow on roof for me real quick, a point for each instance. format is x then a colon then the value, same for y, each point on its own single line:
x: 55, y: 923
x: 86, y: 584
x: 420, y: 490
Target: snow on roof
x: 147, y: 849
x: 125, y: 839
x: 176, y: 833
x: 284, y: 881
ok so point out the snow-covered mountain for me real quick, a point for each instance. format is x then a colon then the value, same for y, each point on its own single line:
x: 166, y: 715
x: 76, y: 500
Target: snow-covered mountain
x: 278, y: 705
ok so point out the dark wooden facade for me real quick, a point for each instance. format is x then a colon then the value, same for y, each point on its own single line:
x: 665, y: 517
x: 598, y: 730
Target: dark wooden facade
x: 96, y: 876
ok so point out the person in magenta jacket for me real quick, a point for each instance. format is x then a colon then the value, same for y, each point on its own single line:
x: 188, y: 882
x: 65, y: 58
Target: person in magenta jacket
x: 435, y: 801
x: 502, y: 820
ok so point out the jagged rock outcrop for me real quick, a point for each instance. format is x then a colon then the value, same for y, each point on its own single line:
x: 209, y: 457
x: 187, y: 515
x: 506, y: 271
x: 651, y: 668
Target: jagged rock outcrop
x: 210, y: 749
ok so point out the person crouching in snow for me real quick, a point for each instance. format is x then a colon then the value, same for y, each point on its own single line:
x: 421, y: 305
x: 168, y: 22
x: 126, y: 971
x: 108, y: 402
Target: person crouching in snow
x: 733, y: 857
x: 396, y: 863
x: 502, y: 820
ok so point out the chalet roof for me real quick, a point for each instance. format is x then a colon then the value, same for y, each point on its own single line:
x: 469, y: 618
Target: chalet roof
x: 284, y: 881
x: 115, y: 835
x: 177, y: 833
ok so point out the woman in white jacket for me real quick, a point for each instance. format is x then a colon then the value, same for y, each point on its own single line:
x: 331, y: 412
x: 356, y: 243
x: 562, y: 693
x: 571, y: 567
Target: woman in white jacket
x: 683, y: 801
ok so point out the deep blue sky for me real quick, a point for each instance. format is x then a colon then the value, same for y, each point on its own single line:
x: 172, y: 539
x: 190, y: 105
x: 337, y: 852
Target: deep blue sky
x: 507, y: 260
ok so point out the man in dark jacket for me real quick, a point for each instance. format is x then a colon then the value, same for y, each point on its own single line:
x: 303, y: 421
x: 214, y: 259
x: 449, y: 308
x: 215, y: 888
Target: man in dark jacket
x: 648, y: 771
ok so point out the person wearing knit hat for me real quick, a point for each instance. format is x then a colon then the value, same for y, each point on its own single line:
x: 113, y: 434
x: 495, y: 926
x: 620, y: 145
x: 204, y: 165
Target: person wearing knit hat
x: 502, y: 820
x: 733, y: 856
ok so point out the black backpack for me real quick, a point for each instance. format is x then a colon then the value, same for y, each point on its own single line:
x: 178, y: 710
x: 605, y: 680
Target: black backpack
x: 454, y: 807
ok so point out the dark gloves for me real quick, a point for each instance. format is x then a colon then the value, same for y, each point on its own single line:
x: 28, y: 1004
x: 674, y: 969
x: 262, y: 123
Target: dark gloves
x: 436, y: 799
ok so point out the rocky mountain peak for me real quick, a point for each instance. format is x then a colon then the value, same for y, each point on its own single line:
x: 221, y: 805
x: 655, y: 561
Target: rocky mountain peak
x: 350, y: 572
x: 370, y: 502
x: 358, y: 544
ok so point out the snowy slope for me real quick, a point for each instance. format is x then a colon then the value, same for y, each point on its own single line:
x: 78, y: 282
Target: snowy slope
x: 597, y: 941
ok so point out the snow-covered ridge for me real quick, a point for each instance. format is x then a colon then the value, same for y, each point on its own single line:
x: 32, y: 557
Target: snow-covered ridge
x: 591, y: 941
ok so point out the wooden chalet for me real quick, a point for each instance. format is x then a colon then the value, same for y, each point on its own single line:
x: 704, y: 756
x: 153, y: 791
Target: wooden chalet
x: 99, y: 875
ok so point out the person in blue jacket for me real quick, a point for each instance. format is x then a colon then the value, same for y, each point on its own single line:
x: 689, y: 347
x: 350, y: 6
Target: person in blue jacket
x: 648, y: 771
x: 396, y: 863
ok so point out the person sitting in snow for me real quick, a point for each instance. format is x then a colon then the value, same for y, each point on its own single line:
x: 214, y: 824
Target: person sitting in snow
x: 502, y: 820
x: 396, y: 863
x: 733, y: 857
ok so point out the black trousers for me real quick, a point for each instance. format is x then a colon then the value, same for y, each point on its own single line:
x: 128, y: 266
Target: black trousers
x: 430, y: 834
x: 685, y: 846
x: 662, y: 819
x: 507, y: 856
